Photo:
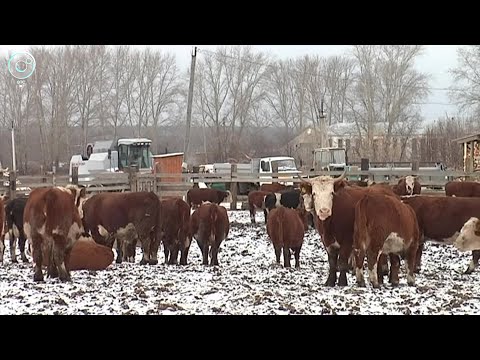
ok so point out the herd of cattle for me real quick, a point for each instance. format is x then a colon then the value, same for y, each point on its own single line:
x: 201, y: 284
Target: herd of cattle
x: 69, y: 230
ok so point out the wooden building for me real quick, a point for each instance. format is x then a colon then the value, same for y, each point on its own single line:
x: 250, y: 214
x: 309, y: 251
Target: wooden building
x: 471, y: 152
x: 169, y: 164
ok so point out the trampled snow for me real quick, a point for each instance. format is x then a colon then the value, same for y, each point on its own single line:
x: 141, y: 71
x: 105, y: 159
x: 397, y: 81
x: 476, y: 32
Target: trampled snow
x: 247, y: 282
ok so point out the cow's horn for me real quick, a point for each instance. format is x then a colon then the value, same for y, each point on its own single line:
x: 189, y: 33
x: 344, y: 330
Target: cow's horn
x: 341, y: 176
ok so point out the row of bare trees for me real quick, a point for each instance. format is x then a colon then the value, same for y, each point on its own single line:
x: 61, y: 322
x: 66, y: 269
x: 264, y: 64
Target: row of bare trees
x: 374, y: 87
x: 239, y: 94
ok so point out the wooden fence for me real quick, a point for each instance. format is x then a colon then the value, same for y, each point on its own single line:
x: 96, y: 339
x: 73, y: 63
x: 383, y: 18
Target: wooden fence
x: 161, y: 185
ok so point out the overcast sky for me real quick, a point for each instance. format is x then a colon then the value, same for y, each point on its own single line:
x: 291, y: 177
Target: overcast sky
x: 436, y: 61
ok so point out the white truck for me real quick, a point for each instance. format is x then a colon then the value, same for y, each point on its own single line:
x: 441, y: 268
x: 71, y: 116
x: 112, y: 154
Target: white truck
x: 110, y: 156
x: 263, y: 166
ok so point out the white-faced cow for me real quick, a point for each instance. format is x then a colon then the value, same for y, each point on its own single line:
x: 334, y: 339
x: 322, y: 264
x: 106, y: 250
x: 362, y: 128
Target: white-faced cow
x: 53, y: 221
x: 333, y: 202
x: 441, y: 219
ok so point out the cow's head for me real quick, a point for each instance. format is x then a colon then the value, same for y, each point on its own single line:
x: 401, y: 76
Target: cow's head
x: 79, y: 194
x: 126, y: 237
x: 323, y: 190
x: 409, y: 184
x: 469, y: 237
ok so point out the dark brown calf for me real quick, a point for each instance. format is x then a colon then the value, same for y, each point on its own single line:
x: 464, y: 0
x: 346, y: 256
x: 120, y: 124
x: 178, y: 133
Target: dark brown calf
x: 174, y: 230
x: 286, y: 228
x: 256, y: 201
x: 197, y: 196
x: 273, y: 187
x: 210, y: 226
x: 383, y: 224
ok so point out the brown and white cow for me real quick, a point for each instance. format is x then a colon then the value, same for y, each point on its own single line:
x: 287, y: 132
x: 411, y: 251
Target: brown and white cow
x: 286, y: 228
x: 441, y: 219
x: 462, y: 188
x: 384, y: 225
x: 173, y: 228
x: 53, y: 222
x: 197, y: 196
x: 333, y: 202
x: 408, y: 185
x: 210, y: 226
x: 256, y: 201
x: 115, y: 211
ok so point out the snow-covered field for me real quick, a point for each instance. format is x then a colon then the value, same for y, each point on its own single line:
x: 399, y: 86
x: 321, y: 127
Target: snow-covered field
x: 246, y: 282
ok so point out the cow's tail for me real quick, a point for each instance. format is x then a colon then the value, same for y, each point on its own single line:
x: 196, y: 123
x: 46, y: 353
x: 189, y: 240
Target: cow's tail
x: 360, y: 225
x: 213, y: 223
x: 280, y: 225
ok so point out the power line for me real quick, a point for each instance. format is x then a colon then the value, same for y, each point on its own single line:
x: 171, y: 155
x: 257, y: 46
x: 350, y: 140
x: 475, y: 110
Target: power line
x: 216, y: 54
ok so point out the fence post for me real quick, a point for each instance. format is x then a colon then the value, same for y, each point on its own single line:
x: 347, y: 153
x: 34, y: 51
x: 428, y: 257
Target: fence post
x: 364, y: 166
x: 12, y: 184
x: 415, y: 165
x: 132, y: 178
x: 75, y: 175
x: 233, y: 187
x: 54, y: 170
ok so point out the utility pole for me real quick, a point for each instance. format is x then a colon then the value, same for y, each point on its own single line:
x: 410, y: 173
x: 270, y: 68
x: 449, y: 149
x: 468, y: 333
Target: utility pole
x: 323, y: 126
x: 14, y: 165
x: 189, y: 105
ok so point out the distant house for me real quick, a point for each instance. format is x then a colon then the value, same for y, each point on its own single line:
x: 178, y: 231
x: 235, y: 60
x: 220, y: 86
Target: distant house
x: 347, y: 135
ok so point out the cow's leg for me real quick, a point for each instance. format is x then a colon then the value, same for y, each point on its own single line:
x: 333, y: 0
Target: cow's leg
x: 214, y: 259
x: 59, y: 257
x: 13, y: 245
x: 372, y: 264
x: 286, y: 256
x: 173, y: 254
x: 383, y: 264
x: 21, y: 245
x: 474, y: 263
x: 154, y: 250
x: 205, y: 254
x: 359, y: 255
x: 52, y: 271
x: 297, y: 257
x: 166, y: 252
x: 252, y: 214
x: 344, y: 255
x: 332, y: 252
x: 410, y: 260
x: 184, y: 255
x: 37, y: 256
x: 119, y: 251
x: 2, y: 248
x: 394, y: 269
x: 418, y: 257
x: 145, y: 251
x: 278, y: 253
x: 265, y: 214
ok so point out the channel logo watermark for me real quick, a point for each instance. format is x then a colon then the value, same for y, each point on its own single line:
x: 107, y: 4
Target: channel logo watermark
x: 21, y: 65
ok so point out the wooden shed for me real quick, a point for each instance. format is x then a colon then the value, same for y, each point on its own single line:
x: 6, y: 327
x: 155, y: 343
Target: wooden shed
x: 471, y: 152
x: 169, y: 164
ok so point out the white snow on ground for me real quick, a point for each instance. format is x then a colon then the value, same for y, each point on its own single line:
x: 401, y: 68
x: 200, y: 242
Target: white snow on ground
x: 246, y: 282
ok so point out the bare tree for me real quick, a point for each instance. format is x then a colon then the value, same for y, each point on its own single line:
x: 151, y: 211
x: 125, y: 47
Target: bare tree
x: 386, y: 91
x: 466, y: 88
